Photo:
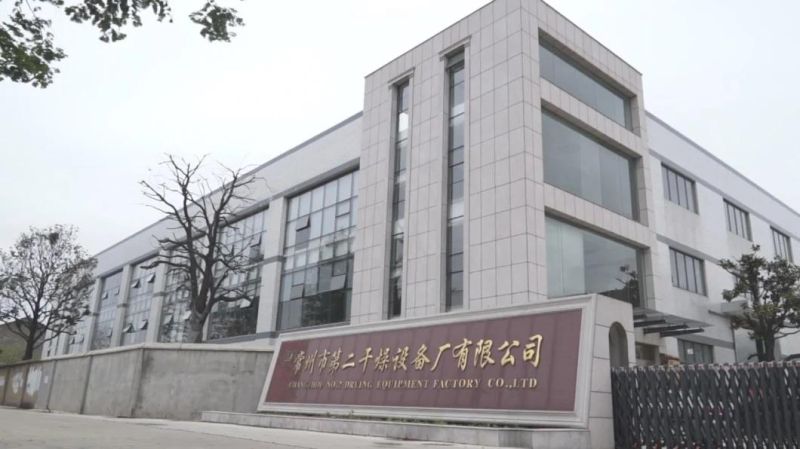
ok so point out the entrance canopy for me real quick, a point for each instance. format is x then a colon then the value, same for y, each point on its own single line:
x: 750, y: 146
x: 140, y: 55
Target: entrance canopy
x: 666, y: 325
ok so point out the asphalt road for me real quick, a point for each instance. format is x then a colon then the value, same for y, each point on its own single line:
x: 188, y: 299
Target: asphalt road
x: 29, y: 429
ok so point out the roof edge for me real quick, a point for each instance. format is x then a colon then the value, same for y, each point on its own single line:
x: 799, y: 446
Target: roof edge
x: 250, y: 172
x: 720, y: 161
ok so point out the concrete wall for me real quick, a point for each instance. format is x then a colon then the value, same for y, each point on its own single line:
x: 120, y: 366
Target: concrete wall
x: 148, y: 381
x: 231, y: 380
x: 69, y: 384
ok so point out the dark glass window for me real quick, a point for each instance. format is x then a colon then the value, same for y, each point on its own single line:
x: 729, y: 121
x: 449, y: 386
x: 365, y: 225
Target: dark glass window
x: 77, y: 336
x: 107, y: 311
x: 237, y: 314
x: 455, y: 191
x: 738, y: 221
x: 573, y: 79
x: 679, y: 189
x: 318, y: 273
x: 175, y: 309
x: 586, y: 168
x: 401, y: 124
x: 140, y: 296
x: 783, y: 245
x: 692, y: 352
x: 688, y: 272
x: 581, y: 261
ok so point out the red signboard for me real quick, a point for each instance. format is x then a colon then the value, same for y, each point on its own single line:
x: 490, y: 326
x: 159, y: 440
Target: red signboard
x: 526, y: 362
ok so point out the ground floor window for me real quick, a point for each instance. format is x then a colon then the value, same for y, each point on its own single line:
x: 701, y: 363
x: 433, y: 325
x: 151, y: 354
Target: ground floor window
x: 692, y: 352
x: 239, y: 317
x: 646, y: 355
x: 316, y: 295
x: 581, y: 261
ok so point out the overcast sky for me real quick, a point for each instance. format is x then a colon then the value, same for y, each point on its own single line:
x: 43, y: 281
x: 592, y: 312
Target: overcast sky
x: 725, y: 73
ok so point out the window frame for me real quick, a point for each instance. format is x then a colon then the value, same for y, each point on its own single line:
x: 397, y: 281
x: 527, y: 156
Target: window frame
x: 402, y: 92
x: 638, y: 254
x: 677, y: 257
x: 455, y: 155
x: 631, y: 162
x: 310, y: 265
x: 787, y: 243
x: 680, y: 179
x: 706, y: 349
x: 591, y: 72
x: 737, y: 217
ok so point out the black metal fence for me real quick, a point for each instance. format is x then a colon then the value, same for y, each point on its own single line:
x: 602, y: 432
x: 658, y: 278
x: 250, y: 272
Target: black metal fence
x: 753, y: 405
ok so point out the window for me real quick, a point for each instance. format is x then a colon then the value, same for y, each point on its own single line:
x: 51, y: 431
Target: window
x: 738, y: 220
x: 107, y: 311
x: 140, y: 298
x: 176, y: 304
x: 318, y: 273
x: 239, y: 316
x: 568, y: 76
x: 783, y: 245
x: 79, y: 329
x: 402, y: 100
x: 688, y: 272
x: 455, y: 180
x: 679, y: 189
x: 580, y: 262
x: 584, y: 167
x: 692, y: 352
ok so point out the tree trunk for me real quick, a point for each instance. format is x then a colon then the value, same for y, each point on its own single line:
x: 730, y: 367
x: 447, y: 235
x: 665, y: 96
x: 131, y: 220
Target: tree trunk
x: 30, y: 346
x: 760, y: 349
x: 769, y: 348
x: 765, y: 348
x: 194, y: 330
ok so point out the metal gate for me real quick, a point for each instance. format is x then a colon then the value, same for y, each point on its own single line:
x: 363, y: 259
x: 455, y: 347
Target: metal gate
x: 753, y: 405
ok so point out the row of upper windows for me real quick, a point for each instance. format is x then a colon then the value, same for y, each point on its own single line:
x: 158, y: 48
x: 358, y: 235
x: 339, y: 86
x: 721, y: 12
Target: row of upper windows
x: 242, y: 237
x: 682, y: 190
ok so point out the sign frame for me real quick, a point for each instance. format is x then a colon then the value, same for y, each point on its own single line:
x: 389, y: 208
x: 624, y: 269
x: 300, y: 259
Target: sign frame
x: 575, y: 418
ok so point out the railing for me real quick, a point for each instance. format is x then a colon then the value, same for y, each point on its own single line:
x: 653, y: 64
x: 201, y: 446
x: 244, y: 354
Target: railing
x: 753, y: 405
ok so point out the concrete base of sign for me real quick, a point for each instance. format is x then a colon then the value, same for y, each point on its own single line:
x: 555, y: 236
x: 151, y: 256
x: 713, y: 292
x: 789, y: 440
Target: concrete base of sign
x: 460, y: 434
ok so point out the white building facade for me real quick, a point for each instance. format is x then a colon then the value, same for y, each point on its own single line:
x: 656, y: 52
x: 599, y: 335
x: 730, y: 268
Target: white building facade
x: 507, y: 160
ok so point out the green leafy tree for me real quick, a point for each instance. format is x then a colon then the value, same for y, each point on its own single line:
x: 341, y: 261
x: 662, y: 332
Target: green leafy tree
x: 44, y: 280
x: 28, y: 53
x: 771, y: 293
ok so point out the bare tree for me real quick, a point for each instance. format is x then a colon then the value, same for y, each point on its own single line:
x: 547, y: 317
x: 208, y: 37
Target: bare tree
x: 196, y: 251
x: 44, y: 280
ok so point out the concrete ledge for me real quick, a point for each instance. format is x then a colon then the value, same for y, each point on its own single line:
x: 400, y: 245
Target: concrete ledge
x: 485, y: 436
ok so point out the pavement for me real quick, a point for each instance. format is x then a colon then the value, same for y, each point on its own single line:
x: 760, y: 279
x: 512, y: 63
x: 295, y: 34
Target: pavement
x: 33, y: 429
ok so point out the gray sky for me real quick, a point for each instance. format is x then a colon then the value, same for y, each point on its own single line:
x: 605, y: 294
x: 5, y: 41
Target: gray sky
x: 724, y: 73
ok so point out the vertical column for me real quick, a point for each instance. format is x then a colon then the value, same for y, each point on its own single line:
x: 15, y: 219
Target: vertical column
x: 122, y: 306
x: 157, y: 303
x: 271, y: 270
x: 61, y: 345
x: 371, y: 252
x: 505, y: 215
x: 94, y: 304
x: 609, y: 313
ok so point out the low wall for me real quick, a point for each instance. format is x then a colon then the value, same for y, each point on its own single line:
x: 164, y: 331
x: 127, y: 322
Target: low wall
x: 173, y: 381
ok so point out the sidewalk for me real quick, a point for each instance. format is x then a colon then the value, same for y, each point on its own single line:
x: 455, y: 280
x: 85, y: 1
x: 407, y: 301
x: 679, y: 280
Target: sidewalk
x: 31, y: 429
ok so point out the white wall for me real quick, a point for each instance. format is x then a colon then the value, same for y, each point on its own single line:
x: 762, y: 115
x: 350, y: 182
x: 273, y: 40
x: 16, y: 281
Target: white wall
x: 705, y: 234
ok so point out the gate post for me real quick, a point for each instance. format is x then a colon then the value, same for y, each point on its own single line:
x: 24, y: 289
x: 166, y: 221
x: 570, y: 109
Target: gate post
x: 615, y: 316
